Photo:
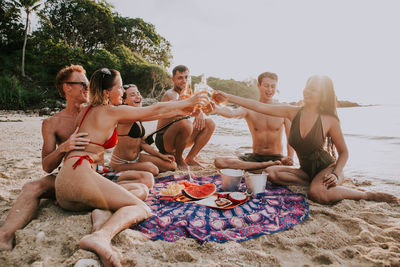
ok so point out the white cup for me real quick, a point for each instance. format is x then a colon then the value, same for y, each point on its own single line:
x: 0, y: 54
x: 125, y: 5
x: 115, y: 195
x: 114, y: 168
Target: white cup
x: 231, y: 178
x: 256, y: 182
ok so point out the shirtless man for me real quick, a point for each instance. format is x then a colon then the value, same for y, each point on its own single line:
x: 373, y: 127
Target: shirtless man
x: 60, y: 137
x: 183, y: 133
x: 266, y: 132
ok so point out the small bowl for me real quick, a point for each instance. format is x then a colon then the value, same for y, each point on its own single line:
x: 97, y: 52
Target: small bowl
x: 231, y: 178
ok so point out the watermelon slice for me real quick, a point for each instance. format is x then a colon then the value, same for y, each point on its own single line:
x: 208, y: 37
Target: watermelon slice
x: 199, y: 191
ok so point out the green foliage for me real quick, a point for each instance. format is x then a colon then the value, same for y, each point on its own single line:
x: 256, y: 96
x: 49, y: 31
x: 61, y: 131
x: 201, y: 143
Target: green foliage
x: 241, y: 88
x: 78, y: 23
x: 142, y: 38
x: 14, y: 96
x: 11, y: 28
x: 76, y: 32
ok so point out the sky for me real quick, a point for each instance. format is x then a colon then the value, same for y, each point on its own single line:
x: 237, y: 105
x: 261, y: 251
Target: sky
x: 355, y: 42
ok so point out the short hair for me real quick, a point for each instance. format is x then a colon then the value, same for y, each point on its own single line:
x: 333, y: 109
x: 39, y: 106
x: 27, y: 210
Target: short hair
x: 64, y: 74
x: 270, y: 75
x: 126, y: 87
x: 102, y: 79
x: 180, y: 68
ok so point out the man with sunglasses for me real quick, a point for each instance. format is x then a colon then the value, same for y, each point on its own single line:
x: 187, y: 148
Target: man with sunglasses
x: 59, y: 137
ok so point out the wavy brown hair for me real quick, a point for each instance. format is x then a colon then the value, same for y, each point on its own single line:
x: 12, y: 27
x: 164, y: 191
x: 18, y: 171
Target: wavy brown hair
x: 102, y: 79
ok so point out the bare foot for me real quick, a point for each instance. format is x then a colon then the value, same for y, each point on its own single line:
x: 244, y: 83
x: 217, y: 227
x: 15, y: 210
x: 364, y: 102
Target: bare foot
x: 100, y: 245
x: 99, y: 217
x: 6, y: 242
x: 193, y: 162
x: 382, y: 197
x: 181, y: 164
x: 271, y: 163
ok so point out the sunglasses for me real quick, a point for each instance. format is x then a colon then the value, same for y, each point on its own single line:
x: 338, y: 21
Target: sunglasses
x: 127, y: 86
x: 84, y: 85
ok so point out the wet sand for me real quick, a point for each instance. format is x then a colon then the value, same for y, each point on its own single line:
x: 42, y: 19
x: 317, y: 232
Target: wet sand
x: 349, y: 233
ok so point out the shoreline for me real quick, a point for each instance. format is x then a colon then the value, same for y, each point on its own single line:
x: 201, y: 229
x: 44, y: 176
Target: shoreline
x: 356, y: 233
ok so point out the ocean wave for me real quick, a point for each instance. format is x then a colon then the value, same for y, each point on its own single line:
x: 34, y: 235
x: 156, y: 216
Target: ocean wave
x: 370, y: 137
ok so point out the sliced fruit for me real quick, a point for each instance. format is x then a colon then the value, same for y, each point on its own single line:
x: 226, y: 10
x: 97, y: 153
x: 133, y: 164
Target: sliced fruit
x: 237, y: 197
x: 199, y: 191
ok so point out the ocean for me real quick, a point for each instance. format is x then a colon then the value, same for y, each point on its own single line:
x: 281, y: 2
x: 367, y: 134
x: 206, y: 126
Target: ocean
x: 372, y: 135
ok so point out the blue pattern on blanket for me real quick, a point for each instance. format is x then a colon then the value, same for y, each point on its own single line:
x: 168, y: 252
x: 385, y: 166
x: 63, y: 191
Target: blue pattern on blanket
x: 275, y: 210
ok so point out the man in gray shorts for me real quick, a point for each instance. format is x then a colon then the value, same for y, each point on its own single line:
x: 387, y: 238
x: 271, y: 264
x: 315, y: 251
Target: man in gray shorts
x: 266, y: 132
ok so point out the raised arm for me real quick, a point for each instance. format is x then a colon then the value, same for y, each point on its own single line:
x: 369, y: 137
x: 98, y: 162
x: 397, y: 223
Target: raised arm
x: 278, y: 110
x: 238, y: 113
x: 159, y: 110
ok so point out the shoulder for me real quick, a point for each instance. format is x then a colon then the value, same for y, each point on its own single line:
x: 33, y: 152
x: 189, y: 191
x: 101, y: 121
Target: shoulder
x: 331, y: 121
x: 170, y: 94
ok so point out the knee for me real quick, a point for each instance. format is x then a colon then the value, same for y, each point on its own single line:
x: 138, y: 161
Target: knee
x: 147, y: 179
x: 144, y: 191
x: 272, y: 174
x: 36, y: 188
x: 185, y: 127
x: 210, y: 125
x: 150, y: 167
x: 317, y: 195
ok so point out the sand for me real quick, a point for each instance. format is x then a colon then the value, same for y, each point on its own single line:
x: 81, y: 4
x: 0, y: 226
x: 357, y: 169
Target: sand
x: 349, y: 233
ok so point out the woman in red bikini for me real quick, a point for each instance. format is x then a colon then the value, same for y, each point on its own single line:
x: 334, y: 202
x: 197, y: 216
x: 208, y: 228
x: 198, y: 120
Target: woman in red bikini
x: 127, y: 154
x: 314, y: 135
x: 80, y: 187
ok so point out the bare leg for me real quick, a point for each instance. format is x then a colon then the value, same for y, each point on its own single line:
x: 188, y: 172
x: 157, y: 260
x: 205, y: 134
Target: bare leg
x: 25, y: 208
x: 199, y: 139
x: 137, y: 166
x: 318, y: 192
x: 84, y: 188
x: 161, y: 164
x: 100, y: 241
x: 176, y: 139
x: 99, y: 217
x: 141, y: 177
x: 235, y: 163
x: 284, y: 175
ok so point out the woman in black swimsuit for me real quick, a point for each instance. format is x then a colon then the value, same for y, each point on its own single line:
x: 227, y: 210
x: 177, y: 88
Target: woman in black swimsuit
x: 315, y: 134
x: 127, y: 154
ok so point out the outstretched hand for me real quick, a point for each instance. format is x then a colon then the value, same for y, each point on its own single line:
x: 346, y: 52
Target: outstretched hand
x: 220, y: 96
x: 76, y: 141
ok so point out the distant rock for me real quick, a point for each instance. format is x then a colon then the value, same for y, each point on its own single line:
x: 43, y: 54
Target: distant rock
x: 341, y: 104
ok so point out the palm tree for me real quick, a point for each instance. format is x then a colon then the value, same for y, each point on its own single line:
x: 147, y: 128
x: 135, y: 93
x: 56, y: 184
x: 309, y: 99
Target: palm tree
x: 29, y: 6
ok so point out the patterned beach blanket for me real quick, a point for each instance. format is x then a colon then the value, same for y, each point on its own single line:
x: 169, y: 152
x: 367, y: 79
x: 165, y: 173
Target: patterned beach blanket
x: 275, y: 210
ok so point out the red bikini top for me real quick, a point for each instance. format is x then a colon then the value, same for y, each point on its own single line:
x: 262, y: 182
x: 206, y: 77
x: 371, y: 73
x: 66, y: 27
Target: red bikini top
x: 110, y: 143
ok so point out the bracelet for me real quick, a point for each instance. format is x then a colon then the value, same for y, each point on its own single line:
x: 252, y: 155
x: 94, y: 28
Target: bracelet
x: 337, y: 177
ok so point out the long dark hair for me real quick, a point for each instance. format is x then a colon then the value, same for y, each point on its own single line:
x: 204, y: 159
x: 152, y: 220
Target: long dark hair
x: 328, y: 103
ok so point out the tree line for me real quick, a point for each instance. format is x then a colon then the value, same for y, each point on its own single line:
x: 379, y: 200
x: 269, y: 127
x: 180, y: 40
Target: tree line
x: 85, y: 32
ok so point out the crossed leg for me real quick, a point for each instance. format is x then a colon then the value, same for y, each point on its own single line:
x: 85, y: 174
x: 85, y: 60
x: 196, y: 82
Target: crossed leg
x: 235, y: 163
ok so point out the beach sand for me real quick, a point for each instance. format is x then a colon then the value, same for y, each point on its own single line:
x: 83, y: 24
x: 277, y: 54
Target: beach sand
x: 349, y: 233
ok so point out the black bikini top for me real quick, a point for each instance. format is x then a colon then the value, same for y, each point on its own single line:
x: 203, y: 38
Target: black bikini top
x: 136, y: 131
